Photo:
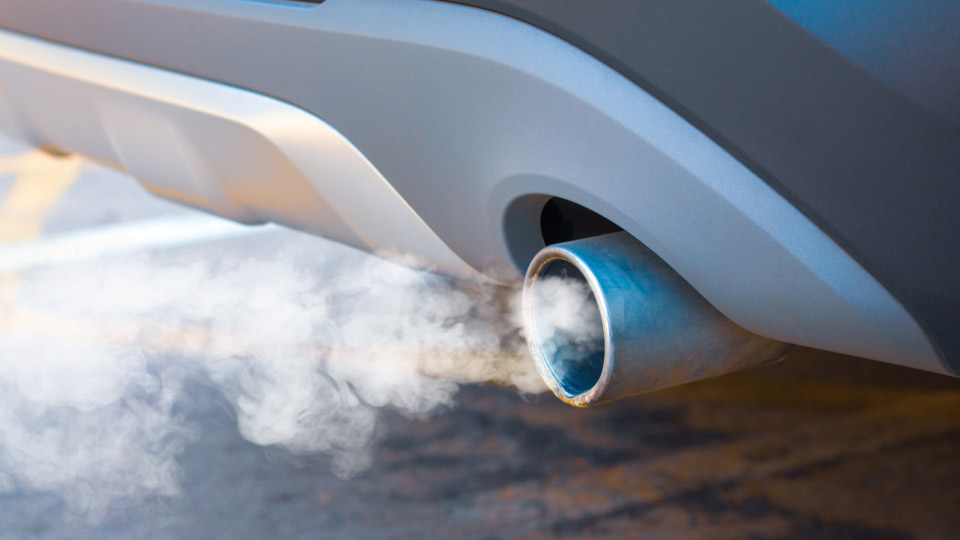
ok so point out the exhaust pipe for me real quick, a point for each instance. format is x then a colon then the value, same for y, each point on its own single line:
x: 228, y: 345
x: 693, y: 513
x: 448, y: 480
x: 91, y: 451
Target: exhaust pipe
x: 606, y: 318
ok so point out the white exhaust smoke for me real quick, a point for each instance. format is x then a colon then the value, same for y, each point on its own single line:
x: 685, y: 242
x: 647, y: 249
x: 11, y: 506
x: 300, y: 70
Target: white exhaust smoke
x: 306, y: 345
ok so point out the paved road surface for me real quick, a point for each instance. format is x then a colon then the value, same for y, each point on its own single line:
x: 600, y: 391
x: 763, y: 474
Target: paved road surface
x: 818, y: 446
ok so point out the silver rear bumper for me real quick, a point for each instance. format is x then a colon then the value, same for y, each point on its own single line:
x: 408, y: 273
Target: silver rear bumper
x: 473, y: 118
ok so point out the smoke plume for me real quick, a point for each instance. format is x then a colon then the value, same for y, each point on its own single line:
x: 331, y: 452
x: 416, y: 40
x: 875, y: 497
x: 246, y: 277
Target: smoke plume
x: 307, y: 345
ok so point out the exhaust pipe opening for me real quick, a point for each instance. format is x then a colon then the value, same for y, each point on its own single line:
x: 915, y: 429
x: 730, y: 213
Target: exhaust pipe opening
x: 568, y: 327
x: 606, y: 319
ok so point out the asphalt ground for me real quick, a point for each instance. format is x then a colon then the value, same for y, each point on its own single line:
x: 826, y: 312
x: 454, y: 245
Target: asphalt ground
x: 817, y: 446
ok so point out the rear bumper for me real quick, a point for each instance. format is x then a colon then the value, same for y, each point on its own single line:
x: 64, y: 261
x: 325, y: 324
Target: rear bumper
x: 466, y: 120
x: 231, y: 152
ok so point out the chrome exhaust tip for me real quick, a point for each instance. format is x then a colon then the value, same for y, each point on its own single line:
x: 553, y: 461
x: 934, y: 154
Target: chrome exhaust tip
x: 606, y: 318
